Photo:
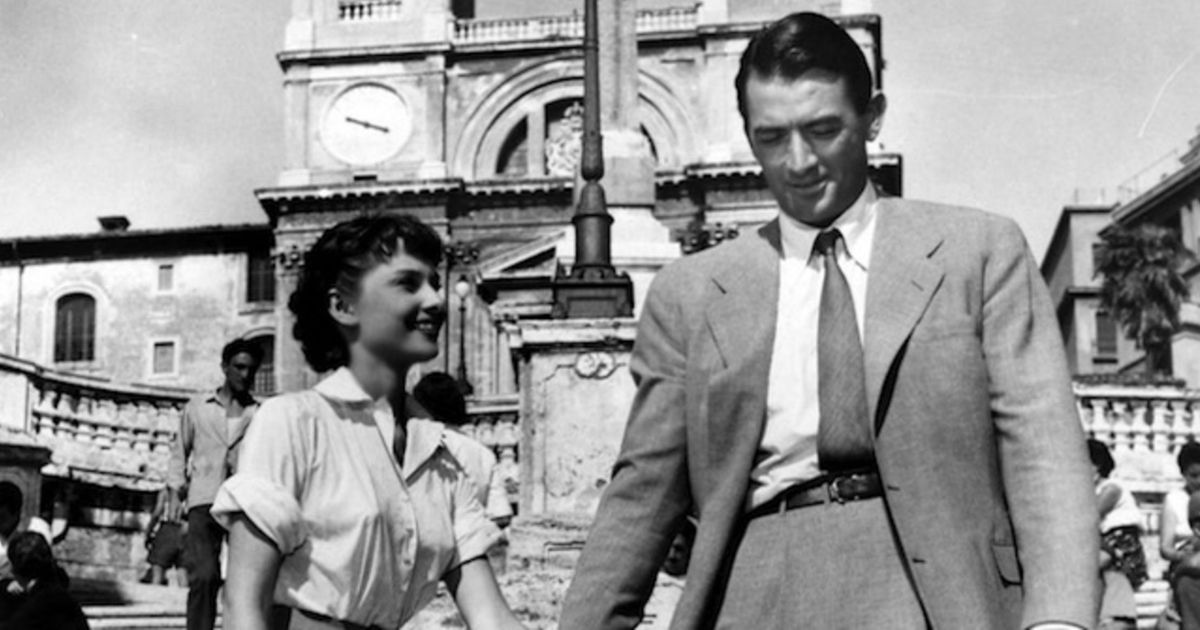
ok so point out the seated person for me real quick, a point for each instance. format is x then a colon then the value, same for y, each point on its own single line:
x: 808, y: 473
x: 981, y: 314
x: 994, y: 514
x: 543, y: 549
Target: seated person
x: 46, y: 604
x: 1185, y: 572
x: 12, y: 503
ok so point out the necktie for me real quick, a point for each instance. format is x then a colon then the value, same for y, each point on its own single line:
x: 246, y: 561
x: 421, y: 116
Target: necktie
x: 844, y: 432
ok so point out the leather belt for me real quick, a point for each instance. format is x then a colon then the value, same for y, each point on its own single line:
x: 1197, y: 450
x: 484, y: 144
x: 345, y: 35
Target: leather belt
x: 347, y: 625
x: 829, y: 488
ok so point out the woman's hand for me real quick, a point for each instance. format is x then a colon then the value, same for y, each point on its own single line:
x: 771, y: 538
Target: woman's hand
x: 479, y: 599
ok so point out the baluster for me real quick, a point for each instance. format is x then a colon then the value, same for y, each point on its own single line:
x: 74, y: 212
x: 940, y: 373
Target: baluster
x: 1139, y: 427
x: 1180, y: 419
x: 65, y: 405
x: 485, y: 431
x: 45, y: 402
x: 506, y: 431
x: 1085, y: 417
x: 1102, y: 420
x: 103, y: 434
x: 1120, y: 425
x: 1193, y: 427
x: 508, y: 470
x: 1160, y: 428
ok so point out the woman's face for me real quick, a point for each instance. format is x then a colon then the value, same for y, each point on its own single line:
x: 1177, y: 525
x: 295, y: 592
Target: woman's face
x: 399, y: 310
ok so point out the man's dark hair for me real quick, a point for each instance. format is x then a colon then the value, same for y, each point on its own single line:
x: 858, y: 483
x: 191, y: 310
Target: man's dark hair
x: 11, y: 497
x: 31, y: 557
x: 338, y: 260
x: 1101, y: 458
x: 798, y: 43
x: 1189, y: 454
x: 440, y: 395
x: 239, y: 346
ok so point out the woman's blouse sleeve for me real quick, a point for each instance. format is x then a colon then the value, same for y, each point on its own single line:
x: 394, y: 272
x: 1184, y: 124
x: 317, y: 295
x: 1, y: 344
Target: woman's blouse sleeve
x: 271, y: 471
x: 474, y: 532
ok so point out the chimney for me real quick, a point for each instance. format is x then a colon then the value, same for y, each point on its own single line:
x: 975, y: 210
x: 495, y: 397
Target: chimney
x: 114, y: 223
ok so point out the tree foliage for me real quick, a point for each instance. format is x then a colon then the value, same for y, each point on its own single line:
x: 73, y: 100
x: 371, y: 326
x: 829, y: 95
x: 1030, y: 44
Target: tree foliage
x: 1143, y: 287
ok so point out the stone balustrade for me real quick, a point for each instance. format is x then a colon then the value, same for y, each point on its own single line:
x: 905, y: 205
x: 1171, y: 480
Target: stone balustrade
x: 494, y: 422
x: 368, y: 10
x: 103, y: 432
x: 471, y: 31
x: 1144, y: 426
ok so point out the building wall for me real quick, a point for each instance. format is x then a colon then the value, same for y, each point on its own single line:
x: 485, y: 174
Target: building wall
x: 204, y: 309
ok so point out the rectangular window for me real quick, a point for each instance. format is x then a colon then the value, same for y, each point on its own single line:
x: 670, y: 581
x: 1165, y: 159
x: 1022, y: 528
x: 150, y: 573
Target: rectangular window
x: 1106, y: 334
x: 166, y: 277
x: 164, y: 357
x: 260, y: 277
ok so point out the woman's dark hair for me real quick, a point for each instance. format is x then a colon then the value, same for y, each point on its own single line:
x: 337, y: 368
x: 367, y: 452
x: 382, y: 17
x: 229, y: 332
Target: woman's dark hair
x: 1101, y: 458
x: 338, y: 260
x: 31, y: 557
x: 1189, y: 454
x: 440, y: 395
x: 797, y: 43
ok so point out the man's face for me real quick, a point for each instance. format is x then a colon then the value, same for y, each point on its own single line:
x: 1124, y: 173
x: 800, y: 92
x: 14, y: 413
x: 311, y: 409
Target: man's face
x: 239, y: 372
x: 810, y: 142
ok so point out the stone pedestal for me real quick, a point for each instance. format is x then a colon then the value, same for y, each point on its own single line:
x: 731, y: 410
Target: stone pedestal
x: 1185, y: 346
x: 575, y: 398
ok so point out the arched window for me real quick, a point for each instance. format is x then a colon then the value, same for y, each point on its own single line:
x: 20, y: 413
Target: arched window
x: 75, y: 328
x: 548, y: 142
x: 264, y: 380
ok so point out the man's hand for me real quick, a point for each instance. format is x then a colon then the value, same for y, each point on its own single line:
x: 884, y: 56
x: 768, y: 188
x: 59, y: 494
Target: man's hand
x: 174, y: 510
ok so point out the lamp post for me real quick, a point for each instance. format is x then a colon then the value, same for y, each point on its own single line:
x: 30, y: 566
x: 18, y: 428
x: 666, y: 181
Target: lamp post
x: 462, y: 288
x: 456, y: 254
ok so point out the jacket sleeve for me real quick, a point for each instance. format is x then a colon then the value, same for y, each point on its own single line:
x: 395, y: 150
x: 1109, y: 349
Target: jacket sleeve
x: 648, y: 496
x: 181, y: 446
x: 1046, y: 471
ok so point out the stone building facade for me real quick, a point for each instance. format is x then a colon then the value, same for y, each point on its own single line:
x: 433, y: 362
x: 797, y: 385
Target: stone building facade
x: 1094, y: 341
x: 137, y: 306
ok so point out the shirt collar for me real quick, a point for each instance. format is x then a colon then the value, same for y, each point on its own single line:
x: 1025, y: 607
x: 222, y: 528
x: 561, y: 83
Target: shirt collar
x: 214, y: 397
x: 341, y: 385
x: 424, y: 436
x: 855, y: 225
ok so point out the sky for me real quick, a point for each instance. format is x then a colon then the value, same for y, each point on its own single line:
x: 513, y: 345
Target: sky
x: 170, y: 112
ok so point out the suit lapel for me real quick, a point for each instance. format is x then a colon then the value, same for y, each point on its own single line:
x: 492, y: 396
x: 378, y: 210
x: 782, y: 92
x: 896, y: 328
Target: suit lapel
x: 741, y: 312
x: 904, y: 275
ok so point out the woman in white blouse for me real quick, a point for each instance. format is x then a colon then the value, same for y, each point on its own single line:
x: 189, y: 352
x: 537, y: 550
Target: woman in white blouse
x: 346, y: 510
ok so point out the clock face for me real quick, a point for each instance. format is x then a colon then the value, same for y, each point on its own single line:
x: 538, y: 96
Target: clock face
x: 366, y: 124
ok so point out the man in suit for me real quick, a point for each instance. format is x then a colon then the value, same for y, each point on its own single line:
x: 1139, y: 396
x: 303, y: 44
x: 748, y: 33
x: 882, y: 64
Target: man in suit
x: 864, y: 403
x: 203, y: 453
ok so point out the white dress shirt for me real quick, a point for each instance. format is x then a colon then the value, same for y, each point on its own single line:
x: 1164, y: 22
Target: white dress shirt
x: 788, y: 452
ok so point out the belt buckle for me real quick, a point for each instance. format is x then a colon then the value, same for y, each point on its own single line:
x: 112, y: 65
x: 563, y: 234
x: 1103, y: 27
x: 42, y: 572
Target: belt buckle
x: 835, y: 492
x: 835, y: 488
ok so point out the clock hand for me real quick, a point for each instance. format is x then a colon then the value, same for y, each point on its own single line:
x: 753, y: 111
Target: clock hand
x: 367, y: 125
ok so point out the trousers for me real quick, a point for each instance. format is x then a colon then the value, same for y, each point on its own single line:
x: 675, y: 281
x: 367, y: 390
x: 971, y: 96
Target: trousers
x: 203, y: 551
x: 827, y: 567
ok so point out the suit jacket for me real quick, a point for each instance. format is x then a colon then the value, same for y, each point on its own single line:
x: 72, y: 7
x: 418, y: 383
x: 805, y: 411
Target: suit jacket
x: 977, y: 439
x: 204, y: 451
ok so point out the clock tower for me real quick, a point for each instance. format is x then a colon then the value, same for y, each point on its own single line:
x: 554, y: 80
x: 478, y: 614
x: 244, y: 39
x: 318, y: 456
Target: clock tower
x: 364, y: 82
x: 364, y: 100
